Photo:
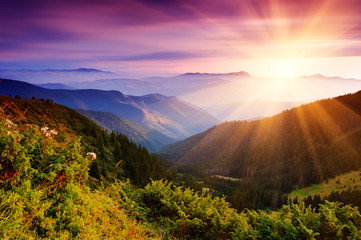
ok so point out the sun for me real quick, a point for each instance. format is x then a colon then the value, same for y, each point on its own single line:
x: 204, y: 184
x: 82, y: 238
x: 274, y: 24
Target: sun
x: 285, y: 68
x: 283, y: 81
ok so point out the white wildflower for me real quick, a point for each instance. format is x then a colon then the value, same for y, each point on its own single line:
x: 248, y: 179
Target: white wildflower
x: 47, y: 132
x: 9, y: 123
x: 44, y: 130
x: 92, y: 155
x: 53, y: 132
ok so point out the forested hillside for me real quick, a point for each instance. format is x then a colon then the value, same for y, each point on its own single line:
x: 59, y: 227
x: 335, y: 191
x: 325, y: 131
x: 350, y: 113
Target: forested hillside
x: 301, y: 142
x: 296, y: 148
x: 139, y: 134
x: 117, y: 156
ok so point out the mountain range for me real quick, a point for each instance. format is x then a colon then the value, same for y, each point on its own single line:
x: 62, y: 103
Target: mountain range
x: 227, y: 96
x: 168, y: 115
x: 176, y: 85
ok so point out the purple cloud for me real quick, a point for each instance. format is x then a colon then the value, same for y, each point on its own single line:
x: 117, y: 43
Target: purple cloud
x: 163, y: 56
x: 87, y: 31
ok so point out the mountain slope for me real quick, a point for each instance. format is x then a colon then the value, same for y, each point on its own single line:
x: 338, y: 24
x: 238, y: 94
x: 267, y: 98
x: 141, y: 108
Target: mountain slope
x: 145, y: 136
x: 298, y: 147
x: 117, y: 157
x: 169, y: 115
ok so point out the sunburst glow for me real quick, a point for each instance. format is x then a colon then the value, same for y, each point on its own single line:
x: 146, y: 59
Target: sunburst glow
x: 284, y: 68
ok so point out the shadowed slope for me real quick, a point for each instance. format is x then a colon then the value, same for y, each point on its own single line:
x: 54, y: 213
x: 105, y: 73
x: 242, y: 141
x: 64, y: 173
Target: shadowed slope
x: 297, y: 147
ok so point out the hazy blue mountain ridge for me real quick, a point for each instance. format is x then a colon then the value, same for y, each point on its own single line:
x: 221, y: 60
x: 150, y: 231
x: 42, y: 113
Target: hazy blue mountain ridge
x: 169, y: 115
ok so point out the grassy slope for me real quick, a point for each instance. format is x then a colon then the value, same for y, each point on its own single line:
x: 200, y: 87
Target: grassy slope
x: 45, y: 113
x: 351, y: 180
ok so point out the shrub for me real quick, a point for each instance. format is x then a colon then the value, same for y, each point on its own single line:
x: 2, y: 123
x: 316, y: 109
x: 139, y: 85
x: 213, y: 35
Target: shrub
x: 44, y: 192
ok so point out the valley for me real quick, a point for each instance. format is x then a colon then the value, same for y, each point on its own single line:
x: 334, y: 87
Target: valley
x: 256, y: 151
x: 55, y: 178
x: 180, y: 120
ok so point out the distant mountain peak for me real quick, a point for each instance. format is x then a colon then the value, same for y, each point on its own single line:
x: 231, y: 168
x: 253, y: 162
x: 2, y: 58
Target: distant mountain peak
x: 240, y: 73
x: 318, y: 75
x: 89, y: 70
x: 84, y: 70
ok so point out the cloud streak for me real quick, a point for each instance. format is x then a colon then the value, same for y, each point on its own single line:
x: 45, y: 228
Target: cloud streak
x: 94, y: 32
x: 162, y: 56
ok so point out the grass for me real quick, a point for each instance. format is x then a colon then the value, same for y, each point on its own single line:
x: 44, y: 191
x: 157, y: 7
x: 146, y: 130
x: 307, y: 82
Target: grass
x: 351, y: 180
x: 227, y: 178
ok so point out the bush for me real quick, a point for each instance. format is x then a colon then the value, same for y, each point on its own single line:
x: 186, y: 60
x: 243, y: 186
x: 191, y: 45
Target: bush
x: 187, y: 214
x: 44, y: 192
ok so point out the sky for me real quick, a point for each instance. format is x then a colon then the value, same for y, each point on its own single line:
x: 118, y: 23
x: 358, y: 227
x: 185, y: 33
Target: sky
x: 276, y: 38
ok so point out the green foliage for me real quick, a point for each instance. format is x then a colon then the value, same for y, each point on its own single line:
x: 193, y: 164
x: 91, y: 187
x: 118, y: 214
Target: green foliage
x: 43, y: 191
x: 183, y: 213
x: 33, y: 157
x: 299, y: 222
